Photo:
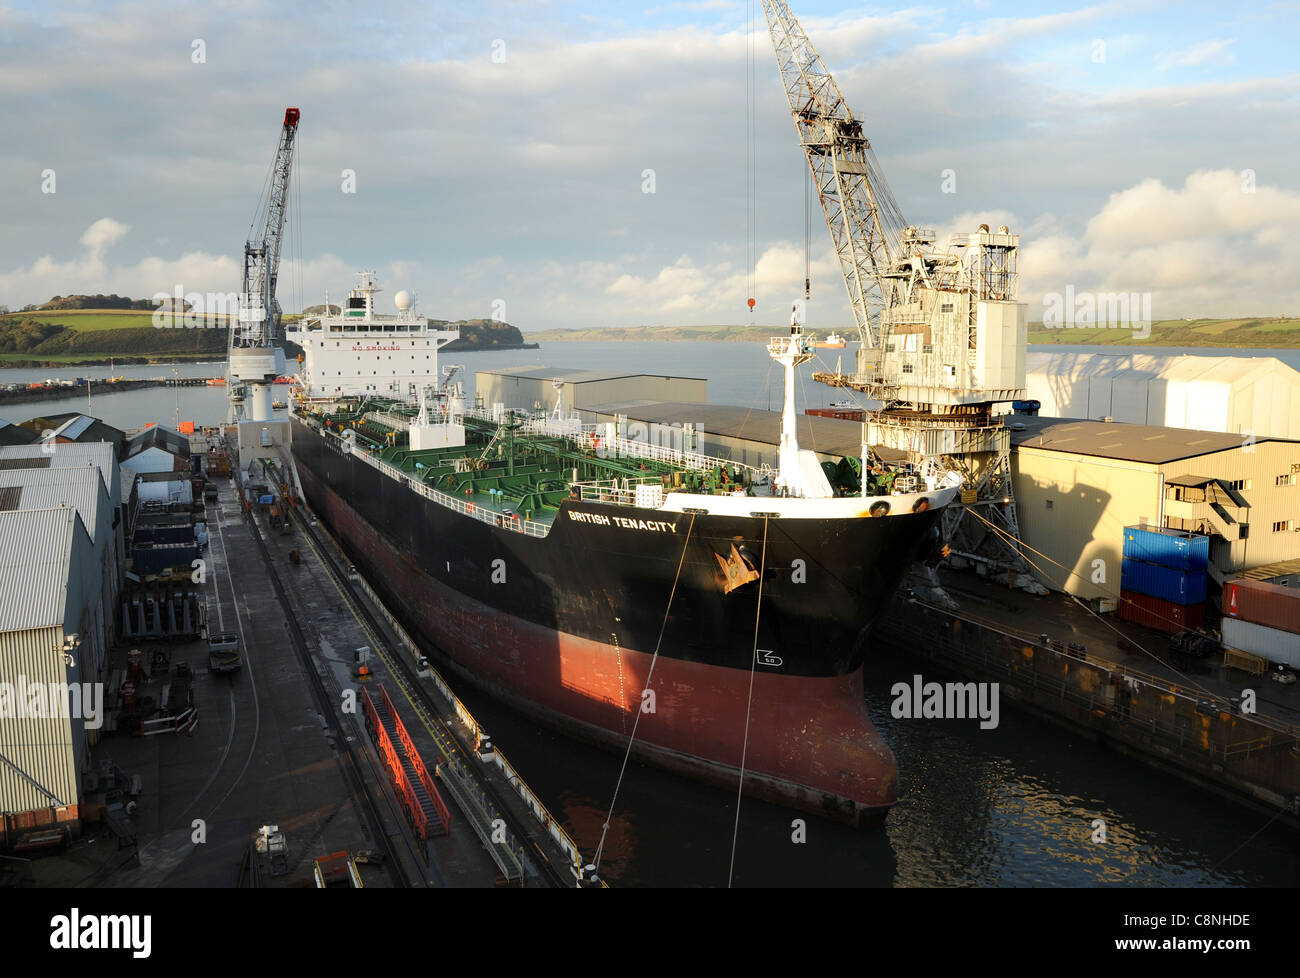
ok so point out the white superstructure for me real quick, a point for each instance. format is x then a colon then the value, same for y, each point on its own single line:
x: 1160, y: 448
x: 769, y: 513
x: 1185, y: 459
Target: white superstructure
x: 360, y: 351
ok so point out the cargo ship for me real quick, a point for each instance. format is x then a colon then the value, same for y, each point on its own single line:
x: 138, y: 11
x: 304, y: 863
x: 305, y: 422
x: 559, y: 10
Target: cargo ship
x: 715, y: 613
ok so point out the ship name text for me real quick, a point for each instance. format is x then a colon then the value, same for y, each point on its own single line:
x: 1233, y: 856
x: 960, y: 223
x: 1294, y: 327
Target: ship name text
x: 654, y: 526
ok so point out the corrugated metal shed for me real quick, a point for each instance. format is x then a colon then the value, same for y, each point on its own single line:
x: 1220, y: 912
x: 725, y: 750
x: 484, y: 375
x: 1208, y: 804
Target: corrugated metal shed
x: 521, y: 388
x: 47, y: 592
x: 156, y: 436
x: 79, y: 488
x: 100, y: 454
x: 1231, y: 394
x: 825, y: 436
x: 35, y: 562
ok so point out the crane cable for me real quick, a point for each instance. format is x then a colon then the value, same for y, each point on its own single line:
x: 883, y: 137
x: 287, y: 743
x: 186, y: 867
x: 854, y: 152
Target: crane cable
x: 753, y: 662
x: 1014, y: 539
x: 751, y: 161
x: 807, y: 236
x: 649, y: 674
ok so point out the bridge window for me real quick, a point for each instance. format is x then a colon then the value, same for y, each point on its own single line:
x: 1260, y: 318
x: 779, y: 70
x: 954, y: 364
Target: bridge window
x: 1281, y: 526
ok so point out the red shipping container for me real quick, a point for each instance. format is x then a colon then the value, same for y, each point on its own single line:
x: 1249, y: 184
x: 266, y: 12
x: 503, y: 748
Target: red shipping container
x: 1265, y: 604
x: 1157, y: 613
x: 842, y: 414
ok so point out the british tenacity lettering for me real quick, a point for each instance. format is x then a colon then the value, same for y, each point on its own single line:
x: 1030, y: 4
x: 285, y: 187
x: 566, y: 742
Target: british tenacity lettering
x: 653, y: 526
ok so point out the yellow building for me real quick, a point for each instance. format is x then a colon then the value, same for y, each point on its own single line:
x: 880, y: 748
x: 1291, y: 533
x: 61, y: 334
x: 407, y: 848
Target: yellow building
x: 1079, y: 483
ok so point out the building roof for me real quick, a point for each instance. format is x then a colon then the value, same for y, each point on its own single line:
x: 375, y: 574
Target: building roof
x: 828, y: 436
x: 35, y: 567
x: 1151, y: 444
x: 1270, y: 572
x: 77, y: 487
x: 13, y: 434
x: 575, y: 376
x: 156, y: 436
x: 66, y: 455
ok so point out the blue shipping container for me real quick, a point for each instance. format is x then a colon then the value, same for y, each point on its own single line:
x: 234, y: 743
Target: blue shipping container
x: 1168, y: 583
x: 1169, y: 548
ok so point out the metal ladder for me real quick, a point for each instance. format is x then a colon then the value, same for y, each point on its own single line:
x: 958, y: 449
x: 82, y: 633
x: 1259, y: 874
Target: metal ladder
x: 417, y: 786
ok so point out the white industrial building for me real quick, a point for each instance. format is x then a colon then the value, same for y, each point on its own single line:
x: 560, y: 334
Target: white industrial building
x: 80, y: 489
x: 101, y: 454
x: 50, y: 596
x: 1238, y: 395
x: 529, y: 388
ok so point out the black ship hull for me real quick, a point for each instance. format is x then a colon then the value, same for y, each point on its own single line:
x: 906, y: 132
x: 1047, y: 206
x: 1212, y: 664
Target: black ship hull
x: 566, y: 626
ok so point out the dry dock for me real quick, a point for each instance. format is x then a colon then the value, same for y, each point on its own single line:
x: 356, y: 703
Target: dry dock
x: 1116, y: 683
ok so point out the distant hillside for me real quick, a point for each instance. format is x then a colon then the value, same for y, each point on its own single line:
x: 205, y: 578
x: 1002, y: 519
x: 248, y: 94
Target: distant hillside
x: 1279, y: 333
x: 484, y: 334
x: 37, y: 337
x: 726, y: 334
x: 97, y: 301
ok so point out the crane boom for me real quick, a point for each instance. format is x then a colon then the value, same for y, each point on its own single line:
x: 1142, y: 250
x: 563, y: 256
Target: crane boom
x: 255, y: 358
x: 259, y: 322
x: 864, y: 219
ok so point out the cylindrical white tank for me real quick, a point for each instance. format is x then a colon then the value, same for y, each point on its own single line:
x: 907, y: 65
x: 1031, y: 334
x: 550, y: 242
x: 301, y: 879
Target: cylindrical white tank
x: 259, y: 408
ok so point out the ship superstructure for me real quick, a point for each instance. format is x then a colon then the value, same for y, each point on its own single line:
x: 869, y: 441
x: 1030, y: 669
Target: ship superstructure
x: 361, y: 352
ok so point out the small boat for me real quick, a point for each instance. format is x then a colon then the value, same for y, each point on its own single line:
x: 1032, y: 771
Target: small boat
x: 833, y: 342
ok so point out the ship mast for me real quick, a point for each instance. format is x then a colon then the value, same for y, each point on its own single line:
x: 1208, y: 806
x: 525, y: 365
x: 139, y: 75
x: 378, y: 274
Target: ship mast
x: 799, y: 473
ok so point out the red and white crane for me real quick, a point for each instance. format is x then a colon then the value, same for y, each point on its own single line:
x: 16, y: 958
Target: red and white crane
x: 255, y: 356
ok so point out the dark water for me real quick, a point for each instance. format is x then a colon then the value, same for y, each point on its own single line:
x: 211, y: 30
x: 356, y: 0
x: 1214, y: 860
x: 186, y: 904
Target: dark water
x: 1013, y: 806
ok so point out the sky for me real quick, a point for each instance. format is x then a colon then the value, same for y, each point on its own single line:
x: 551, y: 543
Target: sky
x: 584, y: 164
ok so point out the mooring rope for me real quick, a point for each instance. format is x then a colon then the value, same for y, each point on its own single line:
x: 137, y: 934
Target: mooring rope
x: 753, y: 661
x: 649, y: 674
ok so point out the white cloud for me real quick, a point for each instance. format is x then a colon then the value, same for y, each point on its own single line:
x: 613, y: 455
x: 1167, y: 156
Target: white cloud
x: 102, y: 235
x: 1208, y: 53
x: 1206, y: 248
x: 521, y: 180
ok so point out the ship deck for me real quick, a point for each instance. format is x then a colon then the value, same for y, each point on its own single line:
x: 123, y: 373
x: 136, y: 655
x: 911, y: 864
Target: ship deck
x: 515, y: 466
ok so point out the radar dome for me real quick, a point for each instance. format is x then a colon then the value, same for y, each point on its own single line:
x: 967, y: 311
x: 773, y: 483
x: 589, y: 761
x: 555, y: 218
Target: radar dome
x: 403, y: 300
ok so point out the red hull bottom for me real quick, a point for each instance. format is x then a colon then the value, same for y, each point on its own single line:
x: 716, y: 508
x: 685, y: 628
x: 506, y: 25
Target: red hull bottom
x: 811, y: 745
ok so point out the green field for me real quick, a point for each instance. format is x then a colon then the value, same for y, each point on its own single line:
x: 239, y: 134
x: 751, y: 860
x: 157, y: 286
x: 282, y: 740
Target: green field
x: 1261, y: 333
x: 85, y: 320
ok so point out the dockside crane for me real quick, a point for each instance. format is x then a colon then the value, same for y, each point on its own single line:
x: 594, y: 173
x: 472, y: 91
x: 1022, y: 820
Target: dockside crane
x: 255, y: 356
x: 943, y: 333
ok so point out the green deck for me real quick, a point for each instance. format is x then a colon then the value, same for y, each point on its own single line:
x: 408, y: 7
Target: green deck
x: 504, y: 471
